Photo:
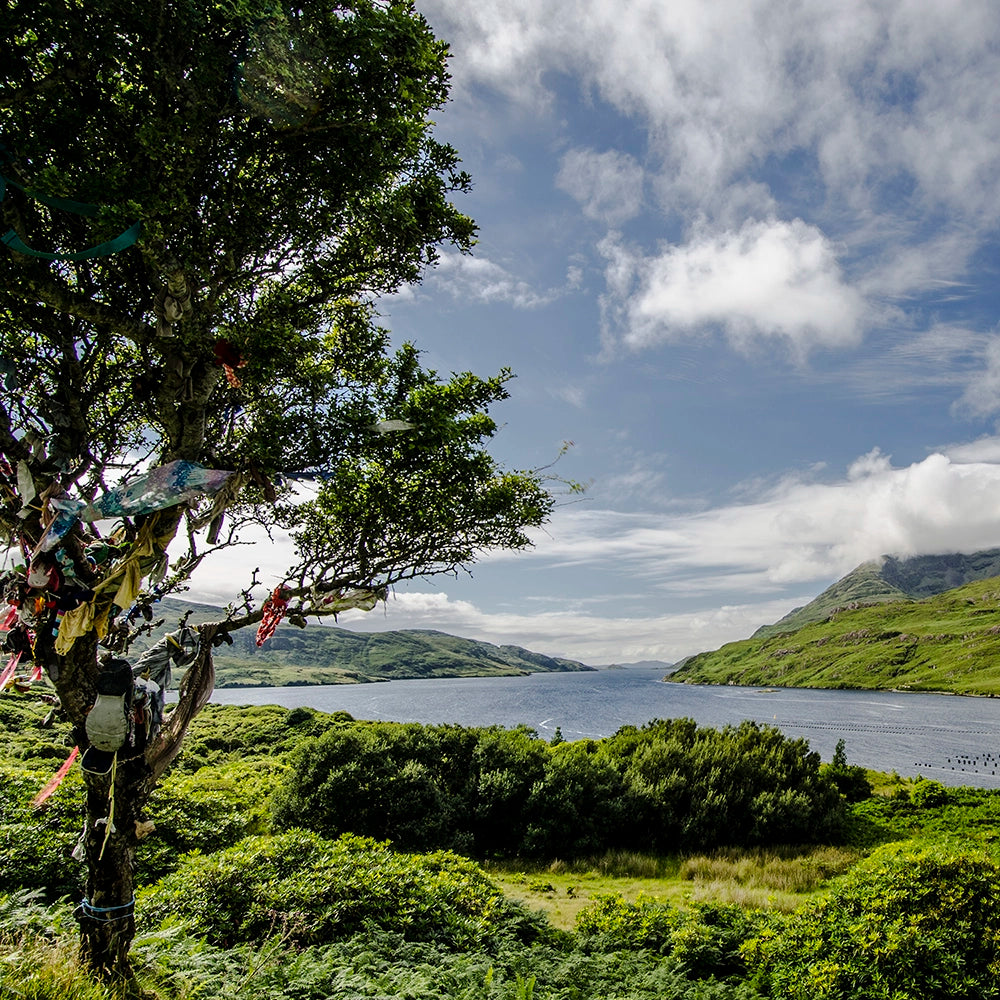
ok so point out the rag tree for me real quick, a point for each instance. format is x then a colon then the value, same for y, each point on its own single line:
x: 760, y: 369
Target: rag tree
x: 201, y: 202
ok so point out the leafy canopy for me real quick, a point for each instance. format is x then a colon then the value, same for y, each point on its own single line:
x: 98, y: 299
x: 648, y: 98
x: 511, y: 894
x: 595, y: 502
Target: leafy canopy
x: 202, y: 203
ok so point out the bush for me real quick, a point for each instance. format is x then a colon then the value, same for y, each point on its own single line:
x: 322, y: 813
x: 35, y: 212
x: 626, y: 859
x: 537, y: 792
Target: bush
x: 490, y: 792
x: 703, y: 942
x: 903, y: 924
x: 699, y: 788
x: 422, y: 787
x: 313, y: 891
x: 36, y: 845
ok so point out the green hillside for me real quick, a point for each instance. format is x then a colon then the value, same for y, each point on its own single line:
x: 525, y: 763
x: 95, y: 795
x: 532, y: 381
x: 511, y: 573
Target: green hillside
x: 949, y: 642
x: 891, y: 579
x: 320, y: 654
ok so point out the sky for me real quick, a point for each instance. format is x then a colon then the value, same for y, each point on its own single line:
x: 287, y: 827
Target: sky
x: 743, y: 255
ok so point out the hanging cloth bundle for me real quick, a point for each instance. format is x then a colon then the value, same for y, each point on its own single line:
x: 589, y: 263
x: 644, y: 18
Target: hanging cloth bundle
x: 15, y: 243
x: 274, y: 610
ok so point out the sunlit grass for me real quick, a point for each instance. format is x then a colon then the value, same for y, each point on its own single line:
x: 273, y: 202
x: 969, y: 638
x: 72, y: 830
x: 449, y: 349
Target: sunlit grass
x: 776, y: 879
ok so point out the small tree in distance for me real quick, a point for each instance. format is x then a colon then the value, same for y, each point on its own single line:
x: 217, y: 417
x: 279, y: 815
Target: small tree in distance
x: 201, y: 203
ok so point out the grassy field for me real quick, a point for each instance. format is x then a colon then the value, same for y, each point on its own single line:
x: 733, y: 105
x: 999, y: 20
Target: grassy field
x: 767, y: 879
x: 948, y: 643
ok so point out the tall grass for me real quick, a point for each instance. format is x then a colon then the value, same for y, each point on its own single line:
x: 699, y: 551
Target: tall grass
x: 769, y: 869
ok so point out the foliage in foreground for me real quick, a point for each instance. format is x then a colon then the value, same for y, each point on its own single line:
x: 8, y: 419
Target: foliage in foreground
x: 299, y: 917
x: 906, y: 923
x: 314, y: 891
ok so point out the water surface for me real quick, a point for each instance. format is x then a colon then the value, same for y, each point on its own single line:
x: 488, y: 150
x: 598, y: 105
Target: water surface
x: 953, y: 739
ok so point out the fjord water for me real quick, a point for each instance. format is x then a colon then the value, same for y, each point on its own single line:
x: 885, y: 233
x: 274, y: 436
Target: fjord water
x: 954, y: 740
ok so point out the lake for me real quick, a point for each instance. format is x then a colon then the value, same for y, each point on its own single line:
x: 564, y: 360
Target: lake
x: 952, y: 739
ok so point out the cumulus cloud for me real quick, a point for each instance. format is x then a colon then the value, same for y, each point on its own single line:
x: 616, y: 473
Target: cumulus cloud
x: 768, y: 279
x: 798, y: 532
x: 607, y: 185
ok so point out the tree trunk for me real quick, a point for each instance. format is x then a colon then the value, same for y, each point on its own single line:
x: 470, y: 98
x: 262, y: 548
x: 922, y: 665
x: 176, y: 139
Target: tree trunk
x: 115, y: 803
x: 107, y: 914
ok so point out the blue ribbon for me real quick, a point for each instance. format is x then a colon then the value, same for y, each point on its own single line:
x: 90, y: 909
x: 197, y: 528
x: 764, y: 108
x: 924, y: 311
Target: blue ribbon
x: 14, y: 242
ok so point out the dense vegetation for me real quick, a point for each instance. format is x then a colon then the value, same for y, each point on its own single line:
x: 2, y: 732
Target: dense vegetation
x: 243, y: 902
x: 491, y: 792
x: 950, y: 642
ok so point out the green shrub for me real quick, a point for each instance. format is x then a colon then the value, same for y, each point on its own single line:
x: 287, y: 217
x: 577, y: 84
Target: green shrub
x: 701, y: 942
x: 612, y: 924
x: 35, y: 845
x: 926, y: 794
x: 903, y: 924
x: 313, y: 890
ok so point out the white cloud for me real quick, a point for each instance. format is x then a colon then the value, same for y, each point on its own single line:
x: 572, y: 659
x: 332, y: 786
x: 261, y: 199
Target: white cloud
x: 739, y: 566
x: 874, y: 122
x: 870, y: 89
x: 799, y: 532
x: 982, y: 393
x: 483, y: 280
x: 983, y: 450
x: 575, y: 395
x: 589, y: 637
x: 769, y: 279
x: 607, y: 185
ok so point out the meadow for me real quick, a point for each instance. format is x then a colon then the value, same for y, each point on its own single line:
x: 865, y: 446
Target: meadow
x: 273, y: 871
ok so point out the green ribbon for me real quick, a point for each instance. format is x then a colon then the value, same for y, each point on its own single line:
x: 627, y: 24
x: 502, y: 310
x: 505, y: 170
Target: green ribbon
x: 14, y: 242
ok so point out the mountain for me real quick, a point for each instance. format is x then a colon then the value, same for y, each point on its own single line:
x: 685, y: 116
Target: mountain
x: 322, y: 654
x: 949, y: 642
x: 890, y: 579
x: 641, y: 665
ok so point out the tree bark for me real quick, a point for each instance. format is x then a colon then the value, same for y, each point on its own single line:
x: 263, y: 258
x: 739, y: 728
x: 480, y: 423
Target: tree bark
x: 114, y: 808
x: 107, y: 914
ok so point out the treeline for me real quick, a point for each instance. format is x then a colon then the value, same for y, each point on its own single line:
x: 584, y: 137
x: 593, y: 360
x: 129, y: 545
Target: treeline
x: 489, y: 792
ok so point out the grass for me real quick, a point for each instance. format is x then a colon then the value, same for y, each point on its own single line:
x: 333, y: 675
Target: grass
x: 775, y: 879
x: 947, y: 643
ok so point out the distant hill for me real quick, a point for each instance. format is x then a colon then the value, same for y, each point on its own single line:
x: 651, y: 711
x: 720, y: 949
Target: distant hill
x: 948, y: 642
x: 641, y: 665
x: 322, y: 654
x: 890, y: 579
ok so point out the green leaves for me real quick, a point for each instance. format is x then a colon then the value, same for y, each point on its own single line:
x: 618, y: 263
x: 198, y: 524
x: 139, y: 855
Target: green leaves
x: 317, y: 890
x: 283, y: 165
x: 904, y: 923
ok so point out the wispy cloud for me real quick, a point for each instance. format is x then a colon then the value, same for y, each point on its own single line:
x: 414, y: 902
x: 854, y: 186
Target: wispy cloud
x: 744, y: 564
x: 608, y: 185
x: 589, y: 637
x: 816, y: 165
x: 981, y: 397
x: 800, y: 531
x: 479, y: 279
